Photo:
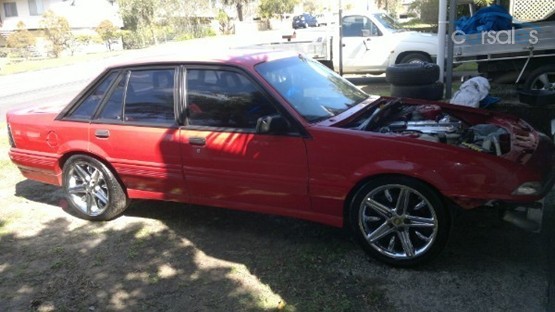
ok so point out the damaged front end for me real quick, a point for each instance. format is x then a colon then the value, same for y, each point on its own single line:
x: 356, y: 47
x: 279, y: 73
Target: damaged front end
x: 476, y: 130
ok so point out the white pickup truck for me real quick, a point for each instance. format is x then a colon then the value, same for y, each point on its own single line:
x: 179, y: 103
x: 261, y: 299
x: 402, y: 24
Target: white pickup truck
x: 371, y: 42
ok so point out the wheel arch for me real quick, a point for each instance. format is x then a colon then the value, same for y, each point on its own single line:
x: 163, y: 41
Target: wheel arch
x: 62, y: 161
x: 401, y: 55
x: 352, y: 194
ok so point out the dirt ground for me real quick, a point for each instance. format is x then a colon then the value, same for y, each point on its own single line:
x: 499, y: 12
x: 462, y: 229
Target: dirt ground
x: 170, y: 257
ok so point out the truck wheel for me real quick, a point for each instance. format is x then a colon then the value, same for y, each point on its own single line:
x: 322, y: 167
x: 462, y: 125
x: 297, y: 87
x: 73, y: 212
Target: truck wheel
x: 542, y: 78
x: 415, y: 57
x: 433, y: 92
x: 412, y: 74
x: 399, y: 221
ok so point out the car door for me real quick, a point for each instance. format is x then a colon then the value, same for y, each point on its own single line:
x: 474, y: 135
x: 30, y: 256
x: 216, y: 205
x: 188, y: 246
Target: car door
x: 136, y: 131
x: 225, y: 161
x: 364, y: 48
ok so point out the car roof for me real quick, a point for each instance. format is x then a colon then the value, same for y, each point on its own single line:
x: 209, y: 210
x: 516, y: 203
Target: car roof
x: 239, y: 57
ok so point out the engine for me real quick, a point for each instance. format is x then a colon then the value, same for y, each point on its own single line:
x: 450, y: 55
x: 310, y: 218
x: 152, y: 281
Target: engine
x: 429, y: 122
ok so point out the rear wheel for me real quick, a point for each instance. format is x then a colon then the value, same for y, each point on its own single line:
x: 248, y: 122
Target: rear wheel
x: 542, y: 78
x: 399, y: 221
x: 92, y: 190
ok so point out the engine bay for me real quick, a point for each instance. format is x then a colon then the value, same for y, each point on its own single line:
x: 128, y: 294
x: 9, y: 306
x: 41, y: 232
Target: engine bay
x: 431, y: 123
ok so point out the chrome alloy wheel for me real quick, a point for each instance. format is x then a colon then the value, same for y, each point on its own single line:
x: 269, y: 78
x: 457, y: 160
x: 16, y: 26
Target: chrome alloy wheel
x: 398, y: 221
x: 87, y: 188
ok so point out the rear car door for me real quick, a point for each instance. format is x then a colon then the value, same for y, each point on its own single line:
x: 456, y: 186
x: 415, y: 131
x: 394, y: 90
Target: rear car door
x: 225, y: 161
x: 136, y: 131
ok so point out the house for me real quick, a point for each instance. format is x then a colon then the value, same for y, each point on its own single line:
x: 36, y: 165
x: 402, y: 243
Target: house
x: 83, y: 16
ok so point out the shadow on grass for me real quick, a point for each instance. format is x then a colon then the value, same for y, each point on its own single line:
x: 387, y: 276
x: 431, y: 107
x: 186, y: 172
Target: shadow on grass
x: 208, y: 259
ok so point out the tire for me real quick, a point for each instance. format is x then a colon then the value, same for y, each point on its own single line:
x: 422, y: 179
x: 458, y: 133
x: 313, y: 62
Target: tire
x: 415, y: 57
x: 542, y: 78
x: 432, y: 92
x: 399, y: 221
x: 412, y: 74
x: 92, y: 190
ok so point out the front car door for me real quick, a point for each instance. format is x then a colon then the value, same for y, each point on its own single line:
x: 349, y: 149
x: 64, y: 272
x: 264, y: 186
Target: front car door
x: 225, y: 161
x: 364, y: 46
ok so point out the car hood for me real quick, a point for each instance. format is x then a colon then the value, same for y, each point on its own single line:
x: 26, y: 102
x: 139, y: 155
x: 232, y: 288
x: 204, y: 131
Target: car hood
x: 455, y: 127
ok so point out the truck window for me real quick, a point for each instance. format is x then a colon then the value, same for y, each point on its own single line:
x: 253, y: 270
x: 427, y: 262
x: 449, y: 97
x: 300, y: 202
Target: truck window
x: 359, y: 26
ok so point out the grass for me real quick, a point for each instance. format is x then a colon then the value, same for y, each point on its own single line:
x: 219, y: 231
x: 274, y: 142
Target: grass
x: 14, y: 67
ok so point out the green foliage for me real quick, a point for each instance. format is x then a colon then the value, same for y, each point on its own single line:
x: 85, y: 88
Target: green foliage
x: 269, y: 8
x: 226, y: 27
x: 312, y: 6
x: 429, y: 9
x: 148, y: 22
x: 21, y: 41
x: 57, y: 31
x: 108, y: 32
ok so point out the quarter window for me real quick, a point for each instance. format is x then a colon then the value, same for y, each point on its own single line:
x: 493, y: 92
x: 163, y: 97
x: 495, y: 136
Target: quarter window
x: 86, y: 109
x: 226, y: 99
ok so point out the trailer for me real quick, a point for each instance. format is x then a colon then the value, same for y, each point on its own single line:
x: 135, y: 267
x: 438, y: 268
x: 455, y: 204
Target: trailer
x: 523, y: 55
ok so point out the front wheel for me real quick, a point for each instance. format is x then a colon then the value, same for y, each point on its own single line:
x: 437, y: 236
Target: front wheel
x: 92, y: 190
x: 399, y: 221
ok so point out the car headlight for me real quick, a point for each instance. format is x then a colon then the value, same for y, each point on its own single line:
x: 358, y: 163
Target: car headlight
x: 528, y: 188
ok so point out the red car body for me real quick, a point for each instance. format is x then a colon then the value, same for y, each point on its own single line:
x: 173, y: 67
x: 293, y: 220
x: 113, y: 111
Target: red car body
x: 313, y: 172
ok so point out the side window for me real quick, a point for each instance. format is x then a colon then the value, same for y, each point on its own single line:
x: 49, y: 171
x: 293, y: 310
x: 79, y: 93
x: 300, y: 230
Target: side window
x: 229, y: 101
x: 88, y: 106
x: 150, y: 96
x: 359, y: 26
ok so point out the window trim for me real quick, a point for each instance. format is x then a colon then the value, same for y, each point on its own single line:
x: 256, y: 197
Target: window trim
x: 126, y: 74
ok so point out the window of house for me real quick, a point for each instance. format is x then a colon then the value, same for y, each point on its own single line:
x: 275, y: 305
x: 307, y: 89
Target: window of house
x: 36, y: 7
x: 88, y: 106
x: 10, y: 9
x: 224, y: 99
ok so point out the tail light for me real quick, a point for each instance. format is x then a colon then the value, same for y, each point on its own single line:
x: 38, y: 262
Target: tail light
x: 10, y: 137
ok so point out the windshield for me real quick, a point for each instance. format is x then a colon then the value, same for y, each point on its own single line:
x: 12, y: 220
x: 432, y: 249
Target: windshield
x: 388, y: 21
x: 315, y: 91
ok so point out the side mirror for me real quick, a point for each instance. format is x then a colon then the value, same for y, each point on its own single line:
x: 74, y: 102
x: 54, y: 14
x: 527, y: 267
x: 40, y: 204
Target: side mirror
x: 274, y: 124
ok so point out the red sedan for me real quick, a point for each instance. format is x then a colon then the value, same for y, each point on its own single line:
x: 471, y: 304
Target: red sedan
x: 281, y: 134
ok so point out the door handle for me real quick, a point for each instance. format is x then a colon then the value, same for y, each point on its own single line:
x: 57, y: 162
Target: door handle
x: 102, y: 133
x: 197, y: 141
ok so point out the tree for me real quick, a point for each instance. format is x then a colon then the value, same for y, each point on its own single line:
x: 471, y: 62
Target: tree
x: 238, y: 6
x: 57, y: 31
x: 148, y: 21
x: 269, y: 8
x: 225, y: 22
x: 22, y: 41
x: 108, y: 32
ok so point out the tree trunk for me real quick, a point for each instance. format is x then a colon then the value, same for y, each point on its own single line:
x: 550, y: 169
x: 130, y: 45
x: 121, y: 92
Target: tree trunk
x: 240, y: 11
